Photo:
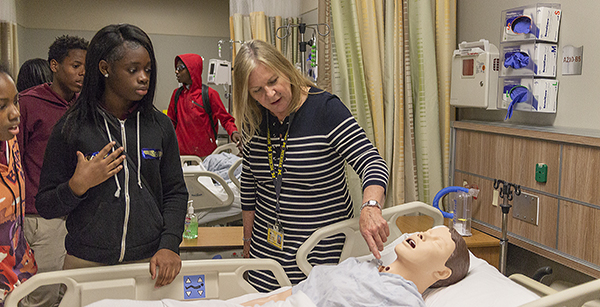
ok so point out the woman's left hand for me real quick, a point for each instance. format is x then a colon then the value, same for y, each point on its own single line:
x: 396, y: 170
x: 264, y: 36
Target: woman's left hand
x: 374, y: 229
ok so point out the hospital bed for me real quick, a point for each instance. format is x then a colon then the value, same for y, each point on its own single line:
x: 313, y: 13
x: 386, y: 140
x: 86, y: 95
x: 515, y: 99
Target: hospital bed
x: 215, y: 200
x: 483, y: 285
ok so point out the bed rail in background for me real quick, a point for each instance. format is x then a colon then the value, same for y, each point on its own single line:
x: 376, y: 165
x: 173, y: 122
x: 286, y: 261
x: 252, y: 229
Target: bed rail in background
x: 355, y: 245
x: 572, y: 297
x: 222, y: 279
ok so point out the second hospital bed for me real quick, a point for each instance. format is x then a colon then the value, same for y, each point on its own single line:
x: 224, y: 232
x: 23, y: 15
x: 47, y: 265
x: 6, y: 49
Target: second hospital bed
x: 223, y: 279
x: 213, y: 185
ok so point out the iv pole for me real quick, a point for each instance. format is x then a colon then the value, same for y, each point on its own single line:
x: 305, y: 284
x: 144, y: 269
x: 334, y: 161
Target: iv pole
x: 506, y: 192
x: 302, y: 44
x: 228, y: 89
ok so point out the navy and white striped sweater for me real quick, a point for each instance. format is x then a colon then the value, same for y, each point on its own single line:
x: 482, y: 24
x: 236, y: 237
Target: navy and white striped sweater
x: 323, y: 136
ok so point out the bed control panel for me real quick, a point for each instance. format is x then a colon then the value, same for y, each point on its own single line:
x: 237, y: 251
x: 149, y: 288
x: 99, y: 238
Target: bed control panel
x: 526, y: 208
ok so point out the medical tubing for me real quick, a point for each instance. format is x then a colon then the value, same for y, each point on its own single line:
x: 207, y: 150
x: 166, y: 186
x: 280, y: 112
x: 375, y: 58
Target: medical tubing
x: 441, y: 194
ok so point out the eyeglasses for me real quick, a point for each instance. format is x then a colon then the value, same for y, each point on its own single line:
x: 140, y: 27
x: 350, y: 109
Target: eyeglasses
x: 180, y: 67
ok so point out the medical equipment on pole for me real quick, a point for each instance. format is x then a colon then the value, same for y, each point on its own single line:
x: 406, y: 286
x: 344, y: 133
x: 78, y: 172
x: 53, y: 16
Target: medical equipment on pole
x: 219, y: 72
x: 302, y: 44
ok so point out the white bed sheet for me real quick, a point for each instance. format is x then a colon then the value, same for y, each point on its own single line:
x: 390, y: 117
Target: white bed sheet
x: 298, y: 299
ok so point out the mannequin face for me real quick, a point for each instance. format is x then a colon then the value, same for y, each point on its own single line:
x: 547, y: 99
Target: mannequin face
x: 429, y: 249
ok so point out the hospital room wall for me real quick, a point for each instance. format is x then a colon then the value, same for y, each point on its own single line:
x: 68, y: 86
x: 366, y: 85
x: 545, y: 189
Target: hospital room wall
x: 175, y: 27
x: 577, y: 105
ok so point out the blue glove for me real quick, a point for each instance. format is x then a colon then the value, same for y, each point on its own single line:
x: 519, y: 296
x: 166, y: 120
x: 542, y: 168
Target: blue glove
x: 518, y: 94
x: 521, y: 24
x: 516, y: 60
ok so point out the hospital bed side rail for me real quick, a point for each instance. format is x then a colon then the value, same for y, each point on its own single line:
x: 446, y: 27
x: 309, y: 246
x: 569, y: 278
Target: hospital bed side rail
x: 355, y: 245
x: 231, y: 173
x: 195, y: 160
x: 229, y: 147
x: 202, y: 189
x: 532, y: 285
x: 222, y: 279
x: 572, y: 297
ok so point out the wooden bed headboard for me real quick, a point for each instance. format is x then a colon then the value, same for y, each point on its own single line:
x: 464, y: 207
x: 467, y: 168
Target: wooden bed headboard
x: 568, y: 230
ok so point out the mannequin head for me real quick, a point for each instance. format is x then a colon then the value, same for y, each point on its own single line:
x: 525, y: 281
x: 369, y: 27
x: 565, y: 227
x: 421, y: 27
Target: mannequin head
x: 437, y: 257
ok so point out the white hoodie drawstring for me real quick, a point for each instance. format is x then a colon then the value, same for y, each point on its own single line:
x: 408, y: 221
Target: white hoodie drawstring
x: 118, y: 192
x: 139, y: 150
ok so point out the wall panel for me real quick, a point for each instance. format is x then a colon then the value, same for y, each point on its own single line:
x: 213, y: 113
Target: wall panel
x: 580, y: 178
x: 579, y: 231
x: 569, y: 202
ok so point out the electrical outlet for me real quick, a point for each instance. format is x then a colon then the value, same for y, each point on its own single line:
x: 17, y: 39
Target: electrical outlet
x: 495, y: 198
x: 541, y: 172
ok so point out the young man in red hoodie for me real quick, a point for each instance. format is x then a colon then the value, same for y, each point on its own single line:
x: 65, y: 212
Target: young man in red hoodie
x: 190, y: 119
x: 41, y: 107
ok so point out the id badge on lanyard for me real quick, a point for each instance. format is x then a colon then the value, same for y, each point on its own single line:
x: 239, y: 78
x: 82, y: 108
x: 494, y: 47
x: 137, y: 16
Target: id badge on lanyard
x: 275, y: 233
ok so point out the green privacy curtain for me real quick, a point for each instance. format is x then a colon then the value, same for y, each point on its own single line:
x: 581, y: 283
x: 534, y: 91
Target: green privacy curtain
x: 385, y: 69
x: 445, y: 28
x: 352, y: 87
x: 425, y: 99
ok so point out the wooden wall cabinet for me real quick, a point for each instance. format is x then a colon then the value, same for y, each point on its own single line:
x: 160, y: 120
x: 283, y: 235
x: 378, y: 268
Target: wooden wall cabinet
x: 568, y: 231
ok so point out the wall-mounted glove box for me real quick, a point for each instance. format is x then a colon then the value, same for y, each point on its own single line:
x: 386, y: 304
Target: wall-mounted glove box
x: 527, y: 94
x: 528, y: 59
x: 534, y: 22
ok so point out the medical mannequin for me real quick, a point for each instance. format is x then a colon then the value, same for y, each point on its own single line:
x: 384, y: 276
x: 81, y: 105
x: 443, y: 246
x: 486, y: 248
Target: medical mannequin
x: 437, y: 257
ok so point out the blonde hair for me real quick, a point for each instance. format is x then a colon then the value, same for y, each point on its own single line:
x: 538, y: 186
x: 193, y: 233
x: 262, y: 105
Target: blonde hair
x: 247, y: 111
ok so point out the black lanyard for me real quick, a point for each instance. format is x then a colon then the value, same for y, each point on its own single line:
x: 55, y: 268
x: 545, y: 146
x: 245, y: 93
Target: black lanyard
x: 277, y: 174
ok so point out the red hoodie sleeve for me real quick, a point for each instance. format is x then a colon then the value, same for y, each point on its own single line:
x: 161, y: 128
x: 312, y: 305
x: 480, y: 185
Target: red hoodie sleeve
x: 219, y: 112
x: 171, y: 109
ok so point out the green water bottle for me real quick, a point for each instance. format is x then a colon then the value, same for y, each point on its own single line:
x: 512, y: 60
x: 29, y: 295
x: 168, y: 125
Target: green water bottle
x: 191, y: 223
